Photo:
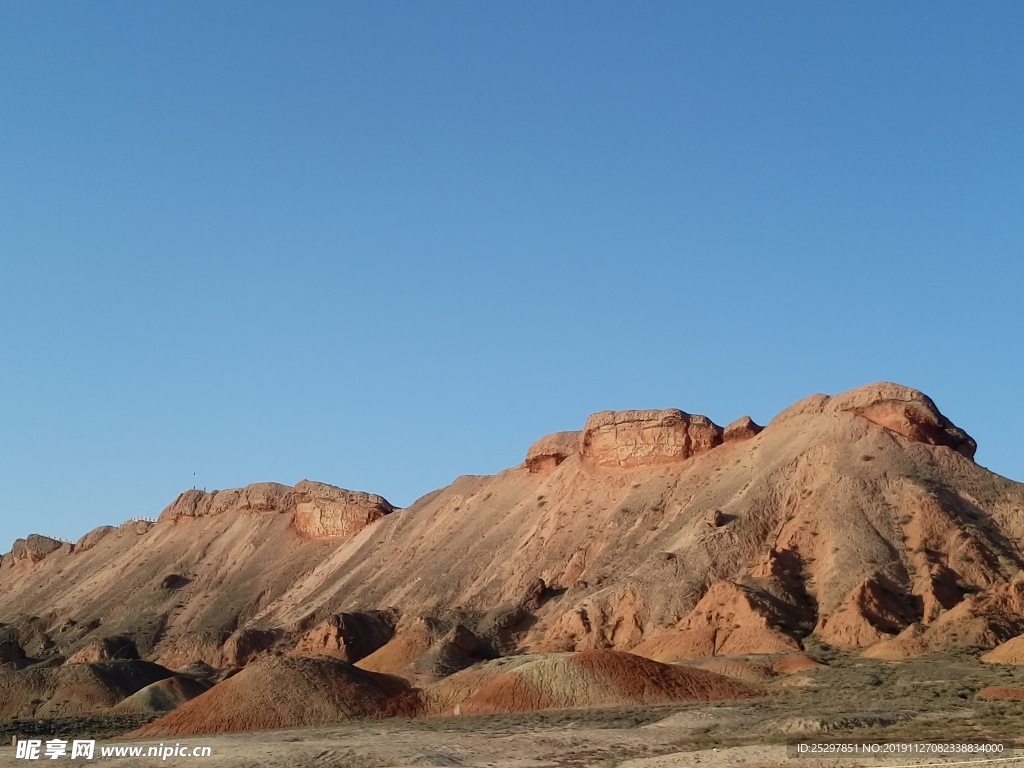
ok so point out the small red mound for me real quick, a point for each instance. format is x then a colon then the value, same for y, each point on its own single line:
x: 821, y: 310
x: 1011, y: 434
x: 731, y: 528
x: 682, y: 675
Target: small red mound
x: 598, y: 679
x: 284, y: 692
x: 1002, y: 693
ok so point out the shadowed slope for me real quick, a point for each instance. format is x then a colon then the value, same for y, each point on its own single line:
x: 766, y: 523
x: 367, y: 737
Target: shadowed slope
x: 162, y: 696
x: 75, y: 689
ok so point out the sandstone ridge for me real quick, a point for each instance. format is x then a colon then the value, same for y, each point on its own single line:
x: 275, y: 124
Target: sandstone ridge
x: 905, y: 411
x: 317, y: 509
x: 635, y: 439
x: 323, y: 510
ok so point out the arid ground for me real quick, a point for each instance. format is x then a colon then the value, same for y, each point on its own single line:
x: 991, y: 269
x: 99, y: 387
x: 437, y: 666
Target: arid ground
x: 933, y: 699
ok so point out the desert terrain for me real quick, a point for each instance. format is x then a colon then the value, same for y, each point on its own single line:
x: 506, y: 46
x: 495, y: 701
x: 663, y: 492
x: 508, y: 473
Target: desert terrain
x: 933, y: 699
x: 651, y: 590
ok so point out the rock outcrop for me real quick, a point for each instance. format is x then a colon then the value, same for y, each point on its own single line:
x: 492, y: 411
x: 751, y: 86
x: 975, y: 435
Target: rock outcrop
x: 550, y: 451
x: 906, y: 412
x: 632, y: 439
x: 317, y: 510
x: 743, y: 428
x: 138, y: 527
x: 259, y: 497
x: 323, y: 510
x: 902, y: 410
x: 34, y: 548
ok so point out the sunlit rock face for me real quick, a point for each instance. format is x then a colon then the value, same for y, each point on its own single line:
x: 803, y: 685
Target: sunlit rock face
x: 631, y: 439
x: 323, y: 510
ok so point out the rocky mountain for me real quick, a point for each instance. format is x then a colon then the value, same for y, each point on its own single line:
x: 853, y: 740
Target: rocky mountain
x: 860, y: 521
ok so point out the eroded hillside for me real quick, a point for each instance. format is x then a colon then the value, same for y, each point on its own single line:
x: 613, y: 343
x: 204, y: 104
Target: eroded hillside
x: 861, y: 520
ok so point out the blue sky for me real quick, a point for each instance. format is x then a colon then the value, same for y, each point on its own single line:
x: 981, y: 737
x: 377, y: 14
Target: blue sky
x: 385, y: 244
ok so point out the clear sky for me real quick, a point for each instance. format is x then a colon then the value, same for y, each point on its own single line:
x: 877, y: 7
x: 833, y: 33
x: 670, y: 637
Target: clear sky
x: 383, y: 244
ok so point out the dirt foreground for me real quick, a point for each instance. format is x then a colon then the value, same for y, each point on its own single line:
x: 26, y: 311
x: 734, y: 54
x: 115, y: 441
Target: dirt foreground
x: 853, y: 699
x: 660, y: 745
